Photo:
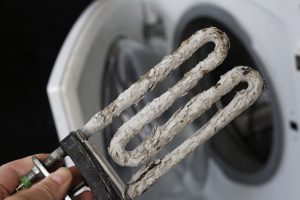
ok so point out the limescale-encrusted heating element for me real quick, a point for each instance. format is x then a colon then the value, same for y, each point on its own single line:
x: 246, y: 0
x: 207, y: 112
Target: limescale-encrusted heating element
x: 151, y: 170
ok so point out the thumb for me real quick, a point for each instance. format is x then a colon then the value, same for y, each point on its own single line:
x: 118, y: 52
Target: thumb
x: 54, y: 187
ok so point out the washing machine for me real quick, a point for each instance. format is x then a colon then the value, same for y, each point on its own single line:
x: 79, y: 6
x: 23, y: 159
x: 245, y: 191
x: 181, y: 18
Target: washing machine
x: 256, y: 157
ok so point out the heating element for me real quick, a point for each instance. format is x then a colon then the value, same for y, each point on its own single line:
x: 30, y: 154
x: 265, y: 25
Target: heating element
x: 143, y: 156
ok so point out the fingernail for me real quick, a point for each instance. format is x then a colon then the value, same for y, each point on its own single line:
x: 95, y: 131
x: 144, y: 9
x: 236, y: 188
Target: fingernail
x: 61, y: 175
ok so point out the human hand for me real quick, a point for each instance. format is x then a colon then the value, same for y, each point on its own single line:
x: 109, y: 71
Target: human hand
x: 54, y: 187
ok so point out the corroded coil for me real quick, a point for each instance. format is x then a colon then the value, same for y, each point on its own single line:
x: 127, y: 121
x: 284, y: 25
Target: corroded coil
x: 163, y: 134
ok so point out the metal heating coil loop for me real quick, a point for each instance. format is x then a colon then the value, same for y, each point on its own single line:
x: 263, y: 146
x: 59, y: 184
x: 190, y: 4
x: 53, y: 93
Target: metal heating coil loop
x: 163, y: 134
x: 148, y: 81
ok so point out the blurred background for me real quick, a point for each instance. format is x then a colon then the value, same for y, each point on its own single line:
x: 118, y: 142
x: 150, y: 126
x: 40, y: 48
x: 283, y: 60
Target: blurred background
x: 62, y: 61
x: 31, y: 36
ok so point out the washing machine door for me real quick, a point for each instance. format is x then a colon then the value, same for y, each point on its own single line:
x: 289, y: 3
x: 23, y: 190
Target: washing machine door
x: 116, y: 41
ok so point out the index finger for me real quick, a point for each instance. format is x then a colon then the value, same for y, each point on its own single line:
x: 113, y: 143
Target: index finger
x: 11, y: 172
